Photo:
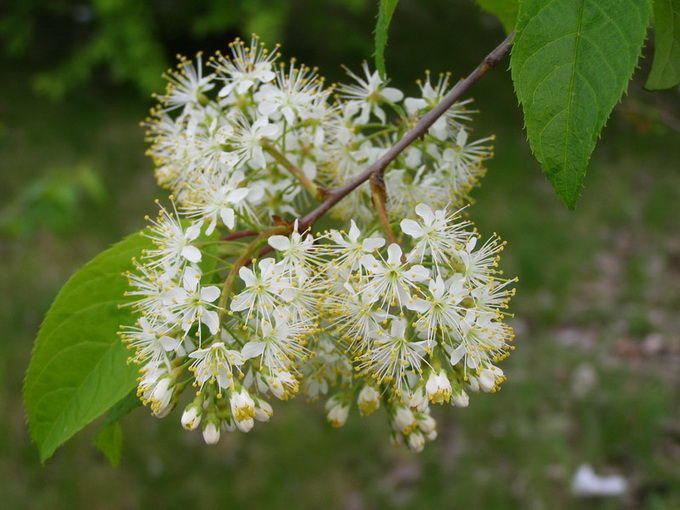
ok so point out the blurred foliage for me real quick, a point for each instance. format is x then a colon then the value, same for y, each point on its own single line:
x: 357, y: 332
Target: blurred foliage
x: 133, y: 40
x: 55, y: 200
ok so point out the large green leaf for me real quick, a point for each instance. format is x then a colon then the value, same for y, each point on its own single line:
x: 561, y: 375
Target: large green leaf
x: 571, y: 61
x: 504, y: 10
x: 78, y: 369
x: 665, y: 71
x: 385, y: 11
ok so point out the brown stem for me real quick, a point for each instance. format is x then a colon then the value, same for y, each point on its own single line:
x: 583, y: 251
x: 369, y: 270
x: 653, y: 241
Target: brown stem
x: 336, y: 194
x: 313, y: 189
x: 238, y: 235
x: 380, y: 205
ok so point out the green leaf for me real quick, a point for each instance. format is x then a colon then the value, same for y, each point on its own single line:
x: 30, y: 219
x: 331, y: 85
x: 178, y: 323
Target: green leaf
x: 571, y: 61
x: 79, y: 365
x: 665, y: 71
x: 504, y: 10
x: 109, y: 438
x: 385, y: 11
x: 109, y: 441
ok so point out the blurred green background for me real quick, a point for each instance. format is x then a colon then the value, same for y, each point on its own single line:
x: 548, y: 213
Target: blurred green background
x: 596, y: 372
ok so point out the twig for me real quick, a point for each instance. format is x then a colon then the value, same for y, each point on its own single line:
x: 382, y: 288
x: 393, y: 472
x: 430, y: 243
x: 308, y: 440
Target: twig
x: 313, y: 189
x: 336, y: 194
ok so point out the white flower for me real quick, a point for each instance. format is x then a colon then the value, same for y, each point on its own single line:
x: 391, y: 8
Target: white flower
x: 191, y: 302
x: 392, y: 356
x: 483, y: 341
x: 437, y: 235
x: 215, y: 364
x: 390, y: 279
x: 278, y: 346
x: 247, y: 140
x: 438, y: 387
x: 217, y: 202
x: 187, y: 84
x: 264, y: 290
x: 349, y: 248
x: 249, y: 66
x: 294, y: 96
x: 367, y: 95
x: 441, y: 311
x: 173, y: 243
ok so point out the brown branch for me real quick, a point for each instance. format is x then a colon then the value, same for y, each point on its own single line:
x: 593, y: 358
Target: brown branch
x: 336, y: 194
x: 238, y: 235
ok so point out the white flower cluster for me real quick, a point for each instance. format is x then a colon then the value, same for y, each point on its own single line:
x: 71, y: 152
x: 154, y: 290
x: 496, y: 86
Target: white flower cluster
x: 400, y: 324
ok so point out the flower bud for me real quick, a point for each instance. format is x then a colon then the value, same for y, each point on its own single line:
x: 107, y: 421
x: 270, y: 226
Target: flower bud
x: 242, y: 409
x: 416, y: 441
x: 191, y: 417
x: 460, y: 398
x: 263, y: 411
x: 368, y: 400
x: 427, y: 423
x: 211, y: 431
x: 404, y: 420
x: 337, y: 411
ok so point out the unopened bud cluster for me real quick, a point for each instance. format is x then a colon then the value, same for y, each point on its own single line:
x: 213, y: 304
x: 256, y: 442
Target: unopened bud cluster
x: 240, y: 301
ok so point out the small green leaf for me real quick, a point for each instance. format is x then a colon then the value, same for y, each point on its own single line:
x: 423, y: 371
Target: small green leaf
x: 504, y: 10
x: 79, y: 365
x: 385, y: 11
x: 665, y: 71
x: 109, y: 438
x: 109, y: 441
x: 571, y: 61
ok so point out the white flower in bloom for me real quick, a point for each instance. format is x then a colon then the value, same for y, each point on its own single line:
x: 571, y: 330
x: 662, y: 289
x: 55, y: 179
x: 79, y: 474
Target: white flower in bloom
x: 217, y: 202
x: 438, y: 387
x: 282, y: 384
x: 431, y: 96
x: 297, y: 251
x: 391, y: 279
x: 441, y: 312
x: 367, y: 95
x: 249, y: 66
x: 437, y: 234
x: 173, y: 243
x: 187, y: 84
x: 392, y: 356
x: 215, y: 364
x: 150, y: 341
x: 349, y: 248
x: 294, y: 95
x: 277, y: 346
x: 264, y: 290
x: 482, y: 340
x: 247, y: 140
x: 480, y: 265
x: 191, y: 302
